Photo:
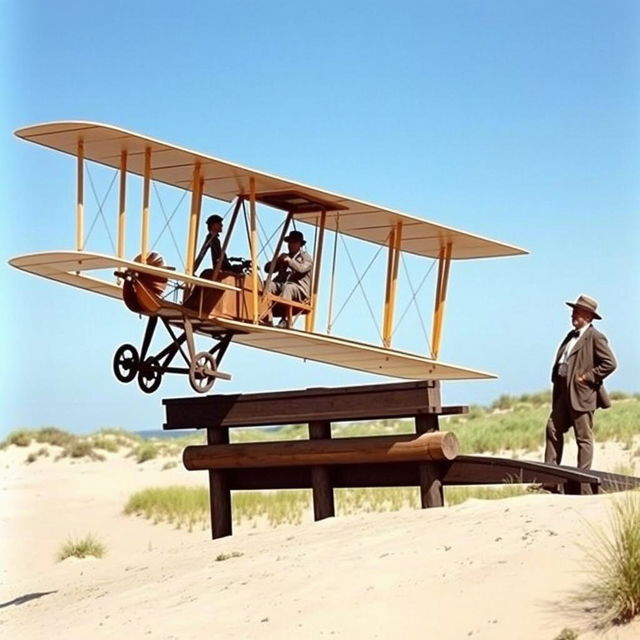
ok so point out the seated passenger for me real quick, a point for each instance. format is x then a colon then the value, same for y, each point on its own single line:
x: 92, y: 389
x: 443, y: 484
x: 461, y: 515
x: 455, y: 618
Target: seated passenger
x: 292, y: 273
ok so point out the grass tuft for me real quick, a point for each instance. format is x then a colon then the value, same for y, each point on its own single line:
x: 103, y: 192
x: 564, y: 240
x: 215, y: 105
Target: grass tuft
x: 614, y: 563
x: 81, y: 548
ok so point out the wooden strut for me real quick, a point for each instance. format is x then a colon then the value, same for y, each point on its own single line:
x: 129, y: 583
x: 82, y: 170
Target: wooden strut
x: 276, y: 253
x: 441, y: 445
x: 144, y: 235
x: 441, y: 295
x: 254, y: 250
x: 122, y: 208
x: 80, y: 197
x: 393, y: 261
x: 310, y: 320
x: 227, y: 237
x: 196, y: 199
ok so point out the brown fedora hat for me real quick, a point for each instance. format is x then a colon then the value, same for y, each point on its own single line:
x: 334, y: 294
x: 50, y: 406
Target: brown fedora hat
x: 587, y: 303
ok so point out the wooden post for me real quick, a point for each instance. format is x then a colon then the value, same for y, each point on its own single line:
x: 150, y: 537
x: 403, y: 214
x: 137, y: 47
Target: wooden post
x: 123, y: 205
x: 80, y: 198
x: 144, y: 235
x: 219, y: 493
x: 430, y: 476
x: 323, y: 501
x: 254, y: 250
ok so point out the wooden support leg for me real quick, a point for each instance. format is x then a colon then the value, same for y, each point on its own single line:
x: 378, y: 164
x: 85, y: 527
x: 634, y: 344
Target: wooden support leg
x: 219, y: 493
x: 431, y: 494
x: 430, y: 474
x: 323, y: 502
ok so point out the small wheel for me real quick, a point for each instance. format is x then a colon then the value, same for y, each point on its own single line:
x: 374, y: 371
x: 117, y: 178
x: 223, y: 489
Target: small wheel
x: 202, y: 372
x: 150, y: 375
x: 126, y: 363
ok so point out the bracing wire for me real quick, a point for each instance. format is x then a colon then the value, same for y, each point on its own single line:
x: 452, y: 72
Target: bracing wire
x: 414, y: 295
x: 359, y: 284
x: 100, y: 212
x: 167, y: 223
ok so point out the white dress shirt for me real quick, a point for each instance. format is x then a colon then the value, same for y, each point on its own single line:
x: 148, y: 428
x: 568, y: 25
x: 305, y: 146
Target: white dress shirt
x: 572, y: 343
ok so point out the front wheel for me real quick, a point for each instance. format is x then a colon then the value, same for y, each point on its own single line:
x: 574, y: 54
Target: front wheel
x: 202, y: 372
x: 126, y: 362
x: 150, y: 375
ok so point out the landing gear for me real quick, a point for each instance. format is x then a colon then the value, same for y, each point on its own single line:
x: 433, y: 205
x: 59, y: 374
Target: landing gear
x: 202, y: 372
x: 150, y: 375
x: 202, y: 367
x: 126, y: 362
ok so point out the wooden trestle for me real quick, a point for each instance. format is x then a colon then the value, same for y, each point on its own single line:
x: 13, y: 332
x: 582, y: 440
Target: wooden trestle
x: 428, y: 459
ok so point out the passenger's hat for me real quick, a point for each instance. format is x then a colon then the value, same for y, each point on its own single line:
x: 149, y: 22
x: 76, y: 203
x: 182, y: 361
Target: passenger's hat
x: 586, y: 303
x: 214, y: 218
x: 296, y: 235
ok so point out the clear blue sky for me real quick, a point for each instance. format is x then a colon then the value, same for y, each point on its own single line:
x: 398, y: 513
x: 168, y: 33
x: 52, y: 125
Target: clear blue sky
x: 514, y: 120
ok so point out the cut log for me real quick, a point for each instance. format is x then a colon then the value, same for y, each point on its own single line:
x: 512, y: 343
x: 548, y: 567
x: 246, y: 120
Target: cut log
x: 429, y: 446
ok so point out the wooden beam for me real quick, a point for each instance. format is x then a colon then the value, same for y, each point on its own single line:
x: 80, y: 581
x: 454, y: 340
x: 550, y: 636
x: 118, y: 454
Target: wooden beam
x: 80, y: 197
x: 441, y: 445
x: 254, y: 249
x: 310, y: 320
x: 122, y: 208
x: 194, y: 214
x: 359, y: 402
x: 440, y: 299
x: 144, y: 235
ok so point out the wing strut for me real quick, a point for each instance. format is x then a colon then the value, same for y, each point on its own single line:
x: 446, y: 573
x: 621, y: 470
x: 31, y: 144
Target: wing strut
x: 122, y: 206
x: 311, y: 317
x: 194, y: 214
x: 441, y: 296
x: 254, y: 250
x: 80, y: 198
x: 144, y: 235
x: 393, y: 261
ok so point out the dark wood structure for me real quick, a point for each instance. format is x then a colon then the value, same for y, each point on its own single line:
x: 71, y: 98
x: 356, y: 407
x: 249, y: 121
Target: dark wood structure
x: 263, y: 465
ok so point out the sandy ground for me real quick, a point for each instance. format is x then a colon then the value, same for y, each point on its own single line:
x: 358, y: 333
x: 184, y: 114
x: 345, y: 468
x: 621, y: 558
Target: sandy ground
x: 484, y: 569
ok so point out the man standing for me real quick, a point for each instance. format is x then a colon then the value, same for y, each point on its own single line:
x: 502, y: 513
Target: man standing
x: 582, y: 362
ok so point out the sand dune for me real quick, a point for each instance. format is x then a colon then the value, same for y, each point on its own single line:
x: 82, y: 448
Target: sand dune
x: 483, y: 569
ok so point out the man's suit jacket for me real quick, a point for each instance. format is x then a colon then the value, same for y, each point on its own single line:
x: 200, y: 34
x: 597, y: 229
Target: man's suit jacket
x: 592, y: 357
x: 299, y: 271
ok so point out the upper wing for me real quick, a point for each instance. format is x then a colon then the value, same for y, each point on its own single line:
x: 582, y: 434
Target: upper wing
x: 225, y: 181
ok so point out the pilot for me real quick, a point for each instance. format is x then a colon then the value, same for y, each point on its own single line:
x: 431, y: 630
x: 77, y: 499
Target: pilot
x: 292, y: 274
x: 214, y: 227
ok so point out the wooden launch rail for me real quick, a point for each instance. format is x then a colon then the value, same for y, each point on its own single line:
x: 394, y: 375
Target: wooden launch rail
x: 320, y: 463
x: 426, y: 459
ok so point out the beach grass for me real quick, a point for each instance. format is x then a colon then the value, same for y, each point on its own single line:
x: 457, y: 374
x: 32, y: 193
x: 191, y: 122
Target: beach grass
x: 613, y: 565
x: 81, y: 548
x: 188, y: 507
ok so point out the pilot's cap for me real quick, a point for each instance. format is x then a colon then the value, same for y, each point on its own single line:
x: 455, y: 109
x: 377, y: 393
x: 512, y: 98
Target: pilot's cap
x: 214, y: 218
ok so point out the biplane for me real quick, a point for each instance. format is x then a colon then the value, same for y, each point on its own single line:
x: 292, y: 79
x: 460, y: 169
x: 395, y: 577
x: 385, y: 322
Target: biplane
x: 238, y: 305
